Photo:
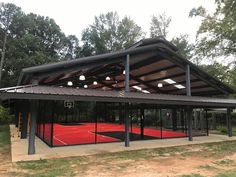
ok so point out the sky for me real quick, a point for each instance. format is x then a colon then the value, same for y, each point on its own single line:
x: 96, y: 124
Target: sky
x: 75, y: 15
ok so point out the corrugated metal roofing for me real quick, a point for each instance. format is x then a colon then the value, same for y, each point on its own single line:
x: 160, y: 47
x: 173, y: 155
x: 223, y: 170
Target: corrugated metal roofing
x: 63, y: 93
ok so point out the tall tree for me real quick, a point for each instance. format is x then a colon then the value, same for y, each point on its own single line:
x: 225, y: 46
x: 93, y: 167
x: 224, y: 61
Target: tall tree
x: 34, y: 40
x: 159, y: 25
x: 217, y: 33
x: 7, y: 13
x: 185, y: 48
x: 108, y: 33
x: 218, y: 70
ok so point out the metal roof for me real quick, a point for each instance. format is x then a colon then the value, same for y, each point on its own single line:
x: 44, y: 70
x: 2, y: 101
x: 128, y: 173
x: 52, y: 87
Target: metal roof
x: 31, y: 92
x: 151, y: 62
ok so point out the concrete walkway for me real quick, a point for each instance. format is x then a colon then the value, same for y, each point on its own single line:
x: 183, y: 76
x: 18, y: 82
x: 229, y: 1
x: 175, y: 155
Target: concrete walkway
x: 19, y: 147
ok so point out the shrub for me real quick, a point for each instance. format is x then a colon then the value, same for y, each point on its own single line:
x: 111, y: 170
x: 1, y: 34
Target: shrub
x: 5, y: 117
x: 222, y: 129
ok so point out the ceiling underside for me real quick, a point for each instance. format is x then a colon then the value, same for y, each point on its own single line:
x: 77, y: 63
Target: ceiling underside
x: 147, y: 70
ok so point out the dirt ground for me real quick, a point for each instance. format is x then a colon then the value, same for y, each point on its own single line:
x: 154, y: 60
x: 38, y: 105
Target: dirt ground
x: 5, y: 164
x: 169, y: 165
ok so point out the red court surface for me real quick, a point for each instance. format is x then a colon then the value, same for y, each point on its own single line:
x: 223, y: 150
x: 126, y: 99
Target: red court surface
x: 84, y: 133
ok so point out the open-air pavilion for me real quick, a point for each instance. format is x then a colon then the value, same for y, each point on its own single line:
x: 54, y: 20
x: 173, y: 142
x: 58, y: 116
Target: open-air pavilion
x: 147, y: 91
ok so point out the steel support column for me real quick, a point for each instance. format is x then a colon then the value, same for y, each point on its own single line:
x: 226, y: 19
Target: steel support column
x: 127, y: 75
x: 189, y: 110
x: 188, y: 81
x: 16, y: 114
x: 142, y: 121
x: 190, y: 124
x: 174, y: 119
x: 160, y: 115
x: 127, y: 125
x: 207, y: 123
x: 127, y: 69
x: 33, y: 110
x: 229, y: 122
x: 24, y: 120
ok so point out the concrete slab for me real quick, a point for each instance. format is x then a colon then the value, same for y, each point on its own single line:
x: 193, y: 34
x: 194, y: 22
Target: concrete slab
x: 19, y: 147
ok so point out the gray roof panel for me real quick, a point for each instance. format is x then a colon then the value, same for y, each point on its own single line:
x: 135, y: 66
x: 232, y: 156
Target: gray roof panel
x: 65, y: 93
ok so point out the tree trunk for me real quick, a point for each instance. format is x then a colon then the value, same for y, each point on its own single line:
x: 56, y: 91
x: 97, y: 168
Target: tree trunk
x: 3, y: 56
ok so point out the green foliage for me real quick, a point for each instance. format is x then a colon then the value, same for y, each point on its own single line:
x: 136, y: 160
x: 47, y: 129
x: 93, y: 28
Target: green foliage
x: 5, y: 116
x: 232, y: 77
x: 217, y: 33
x: 159, y: 25
x: 184, y: 47
x: 33, y: 40
x: 222, y: 129
x: 159, y: 28
x: 4, y: 137
x: 219, y: 71
x: 108, y: 33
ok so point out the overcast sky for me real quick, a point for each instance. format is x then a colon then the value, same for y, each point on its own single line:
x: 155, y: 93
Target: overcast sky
x: 75, y: 15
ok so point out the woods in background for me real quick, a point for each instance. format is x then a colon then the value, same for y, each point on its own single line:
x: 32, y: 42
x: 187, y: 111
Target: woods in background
x: 30, y: 39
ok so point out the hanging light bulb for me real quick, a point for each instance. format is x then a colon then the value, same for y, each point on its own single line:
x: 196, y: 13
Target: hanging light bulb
x: 85, y: 86
x: 95, y: 83
x: 69, y: 83
x: 108, y: 78
x: 159, y: 85
x: 123, y: 71
x: 82, y: 77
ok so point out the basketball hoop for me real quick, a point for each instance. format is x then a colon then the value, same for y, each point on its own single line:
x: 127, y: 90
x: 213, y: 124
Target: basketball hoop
x: 69, y: 104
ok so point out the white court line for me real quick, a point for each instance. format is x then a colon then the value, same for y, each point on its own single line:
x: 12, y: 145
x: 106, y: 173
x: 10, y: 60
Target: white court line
x: 59, y: 140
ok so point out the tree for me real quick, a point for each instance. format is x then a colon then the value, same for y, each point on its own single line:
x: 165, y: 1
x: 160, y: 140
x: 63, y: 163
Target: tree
x: 232, y: 77
x: 219, y: 71
x: 159, y: 25
x: 71, y: 49
x: 5, y: 116
x: 7, y: 13
x: 185, y: 48
x: 159, y: 28
x: 34, y: 40
x: 108, y: 33
x: 217, y: 33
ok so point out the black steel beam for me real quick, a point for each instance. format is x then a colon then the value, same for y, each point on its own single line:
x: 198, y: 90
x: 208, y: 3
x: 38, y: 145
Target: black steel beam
x: 190, y: 126
x: 192, y: 88
x: 163, y: 78
x: 127, y: 74
x: 229, y: 123
x: 24, y: 119
x: 157, y: 71
x: 188, y: 80
x: 31, y: 146
x: 127, y: 122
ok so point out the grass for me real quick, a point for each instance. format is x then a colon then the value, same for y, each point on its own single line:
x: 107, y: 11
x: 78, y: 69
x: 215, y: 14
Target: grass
x: 4, y: 135
x: 223, y: 130
x: 193, y: 175
x: 227, y: 174
x: 207, y: 167
x: 4, y: 138
x: 67, y: 166
x: 224, y: 162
